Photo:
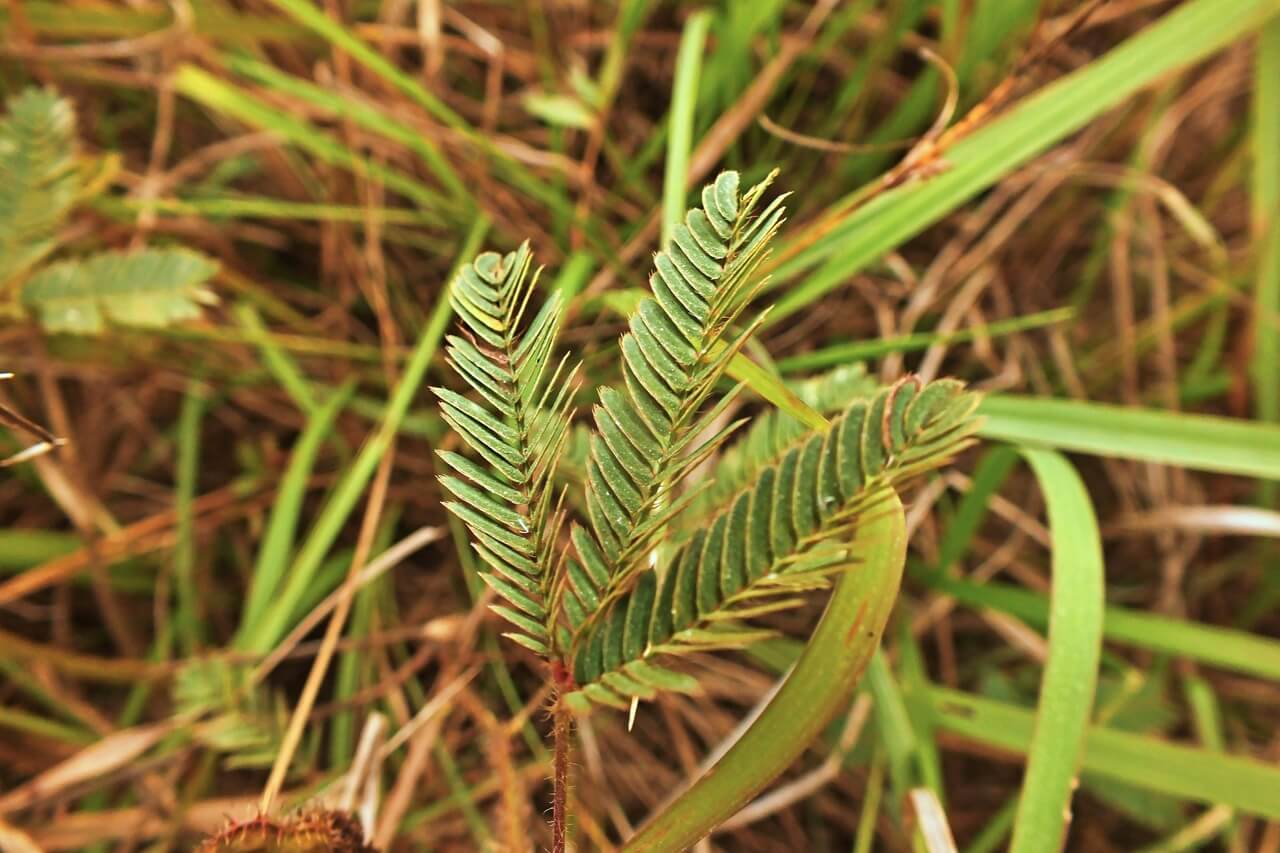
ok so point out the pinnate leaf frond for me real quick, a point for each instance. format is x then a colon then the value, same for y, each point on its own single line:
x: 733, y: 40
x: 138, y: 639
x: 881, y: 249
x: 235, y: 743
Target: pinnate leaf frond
x: 38, y: 178
x: 146, y: 288
x: 518, y: 425
x: 672, y: 356
x: 784, y: 536
x: 243, y: 721
x: 771, y: 434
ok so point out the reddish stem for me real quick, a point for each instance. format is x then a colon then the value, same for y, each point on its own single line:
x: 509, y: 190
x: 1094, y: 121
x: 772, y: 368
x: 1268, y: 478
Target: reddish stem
x: 560, y: 723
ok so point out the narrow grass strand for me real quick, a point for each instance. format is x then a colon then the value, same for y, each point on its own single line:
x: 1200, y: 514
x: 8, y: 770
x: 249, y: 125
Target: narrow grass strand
x: 277, y: 359
x: 846, y: 353
x: 1202, y: 442
x: 187, y: 623
x: 367, y: 114
x: 1211, y: 645
x: 1265, y: 364
x: 684, y: 99
x: 223, y: 97
x: 277, y: 543
x: 346, y: 494
x: 1148, y: 763
x: 771, y: 388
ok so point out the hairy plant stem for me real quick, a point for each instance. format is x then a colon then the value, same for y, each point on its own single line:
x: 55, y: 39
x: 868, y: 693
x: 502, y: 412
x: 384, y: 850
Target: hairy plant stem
x: 560, y: 731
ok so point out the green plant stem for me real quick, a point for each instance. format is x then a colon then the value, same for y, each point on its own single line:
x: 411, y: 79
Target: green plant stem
x: 825, y: 675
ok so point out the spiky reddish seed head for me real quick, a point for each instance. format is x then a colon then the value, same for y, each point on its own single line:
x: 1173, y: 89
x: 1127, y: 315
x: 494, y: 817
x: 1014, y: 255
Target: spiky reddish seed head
x: 318, y: 831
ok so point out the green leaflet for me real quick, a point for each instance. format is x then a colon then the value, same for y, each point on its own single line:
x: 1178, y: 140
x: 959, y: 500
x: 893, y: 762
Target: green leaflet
x: 672, y: 356
x: 39, y: 185
x: 518, y: 427
x: 146, y: 288
x: 774, y: 432
x: 784, y: 535
x: 38, y: 178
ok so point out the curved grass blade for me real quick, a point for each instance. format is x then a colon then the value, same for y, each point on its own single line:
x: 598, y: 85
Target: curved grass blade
x: 1071, y: 671
x: 817, y: 689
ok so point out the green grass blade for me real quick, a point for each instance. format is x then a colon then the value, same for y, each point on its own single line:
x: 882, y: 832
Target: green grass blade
x: 363, y: 113
x: 1224, y: 648
x: 277, y: 542
x: 219, y: 95
x: 263, y: 633
x: 1202, y: 442
x: 22, y: 548
x: 312, y: 16
x: 333, y: 516
x: 1265, y: 366
x: 1185, y: 36
x: 187, y: 613
x: 684, y: 98
x: 818, y: 688
x: 1071, y: 671
x: 846, y: 353
x: 1149, y: 763
x: 897, y: 735
x: 277, y: 360
x: 989, y: 474
x: 770, y: 387
x: 250, y: 207
x: 112, y: 21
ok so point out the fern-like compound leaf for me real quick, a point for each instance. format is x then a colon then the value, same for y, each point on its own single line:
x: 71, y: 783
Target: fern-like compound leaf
x: 771, y: 434
x: 517, y: 425
x: 243, y: 721
x: 146, y: 288
x: 785, y: 535
x: 38, y: 178
x: 672, y: 356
